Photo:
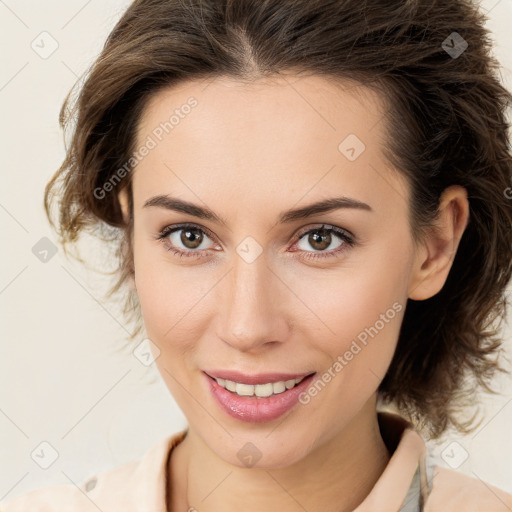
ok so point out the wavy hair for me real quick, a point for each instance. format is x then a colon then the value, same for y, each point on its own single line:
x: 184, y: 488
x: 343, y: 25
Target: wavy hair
x: 446, y: 125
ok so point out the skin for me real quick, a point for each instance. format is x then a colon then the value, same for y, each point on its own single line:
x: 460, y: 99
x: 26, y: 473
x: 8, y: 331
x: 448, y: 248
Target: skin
x: 248, y: 152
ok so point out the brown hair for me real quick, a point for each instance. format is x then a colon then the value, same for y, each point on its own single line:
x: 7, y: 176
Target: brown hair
x: 446, y: 125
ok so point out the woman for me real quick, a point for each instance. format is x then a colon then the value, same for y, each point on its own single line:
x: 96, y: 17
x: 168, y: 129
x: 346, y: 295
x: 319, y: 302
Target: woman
x: 313, y: 224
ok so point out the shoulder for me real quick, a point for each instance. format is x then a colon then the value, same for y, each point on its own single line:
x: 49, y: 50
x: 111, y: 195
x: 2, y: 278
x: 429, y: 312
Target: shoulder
x: 80, y: 497
x: 453, y: 491
x: 132, y: 486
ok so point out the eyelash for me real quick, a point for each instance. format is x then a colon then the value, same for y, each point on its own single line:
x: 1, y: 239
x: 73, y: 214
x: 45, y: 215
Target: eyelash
x: 344, y: 235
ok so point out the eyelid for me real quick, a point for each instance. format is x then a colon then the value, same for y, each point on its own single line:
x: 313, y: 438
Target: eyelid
x: 327, y: 227
x: 171, y: 228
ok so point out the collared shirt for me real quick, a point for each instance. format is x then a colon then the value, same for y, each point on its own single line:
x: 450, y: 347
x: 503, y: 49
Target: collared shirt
x: 409, y: 483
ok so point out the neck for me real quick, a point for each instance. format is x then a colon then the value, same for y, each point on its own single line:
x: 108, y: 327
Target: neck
x: 335, y: 477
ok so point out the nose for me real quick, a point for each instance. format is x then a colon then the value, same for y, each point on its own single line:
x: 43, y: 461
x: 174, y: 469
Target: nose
x: 251, y: 306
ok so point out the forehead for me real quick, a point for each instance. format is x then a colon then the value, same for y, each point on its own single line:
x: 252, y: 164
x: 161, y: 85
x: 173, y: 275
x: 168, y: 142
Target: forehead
x: 289, y: 106
x: 287, y: 133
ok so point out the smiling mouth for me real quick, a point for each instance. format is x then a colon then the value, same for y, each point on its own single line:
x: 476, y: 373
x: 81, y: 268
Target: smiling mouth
x: 259, y: 390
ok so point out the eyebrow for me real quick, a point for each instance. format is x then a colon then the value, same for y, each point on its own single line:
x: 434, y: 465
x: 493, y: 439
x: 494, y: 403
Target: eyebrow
x: 326, y: 205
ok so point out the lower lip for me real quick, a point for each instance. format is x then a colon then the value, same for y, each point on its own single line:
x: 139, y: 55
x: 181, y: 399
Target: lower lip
x: 253, y: 409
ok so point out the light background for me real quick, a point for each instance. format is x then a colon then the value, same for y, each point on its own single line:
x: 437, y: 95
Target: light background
x: 65, y: 377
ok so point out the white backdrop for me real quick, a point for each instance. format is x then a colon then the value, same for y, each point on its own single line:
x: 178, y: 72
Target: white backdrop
x: 66, y: 379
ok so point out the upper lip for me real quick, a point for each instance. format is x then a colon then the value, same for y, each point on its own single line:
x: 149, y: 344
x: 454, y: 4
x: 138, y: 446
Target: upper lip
x: 260, y: 378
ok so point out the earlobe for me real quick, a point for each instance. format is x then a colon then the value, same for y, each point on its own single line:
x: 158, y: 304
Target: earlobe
x: 435, y: 256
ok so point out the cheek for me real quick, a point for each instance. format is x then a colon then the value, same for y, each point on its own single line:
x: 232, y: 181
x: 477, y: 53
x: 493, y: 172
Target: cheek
x: 170, y: 301
x: 171, y: 297
x: 347, y: 300
x: 364, y: 316
x: 361, y: 307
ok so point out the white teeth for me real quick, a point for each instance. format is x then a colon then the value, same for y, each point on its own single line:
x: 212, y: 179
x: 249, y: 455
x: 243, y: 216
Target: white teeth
x: 261, y: 390
x: 278, y: 387
x: 289, y: 384
x: 244, y: 389
x: 264, y: 390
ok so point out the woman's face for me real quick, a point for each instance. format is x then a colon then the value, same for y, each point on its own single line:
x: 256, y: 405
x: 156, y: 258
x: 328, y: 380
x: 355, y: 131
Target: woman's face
x: 247, y: 285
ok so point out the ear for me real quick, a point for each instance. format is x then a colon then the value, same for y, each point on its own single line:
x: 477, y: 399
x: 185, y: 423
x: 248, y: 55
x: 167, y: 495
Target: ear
x: 124, y: 202
x: 437, y: 251
x: 123, y: 199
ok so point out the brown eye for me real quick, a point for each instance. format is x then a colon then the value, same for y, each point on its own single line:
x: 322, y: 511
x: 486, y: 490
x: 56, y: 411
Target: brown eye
x: 191, y: 238
x: 320, y: 239
x: 188, y: 240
